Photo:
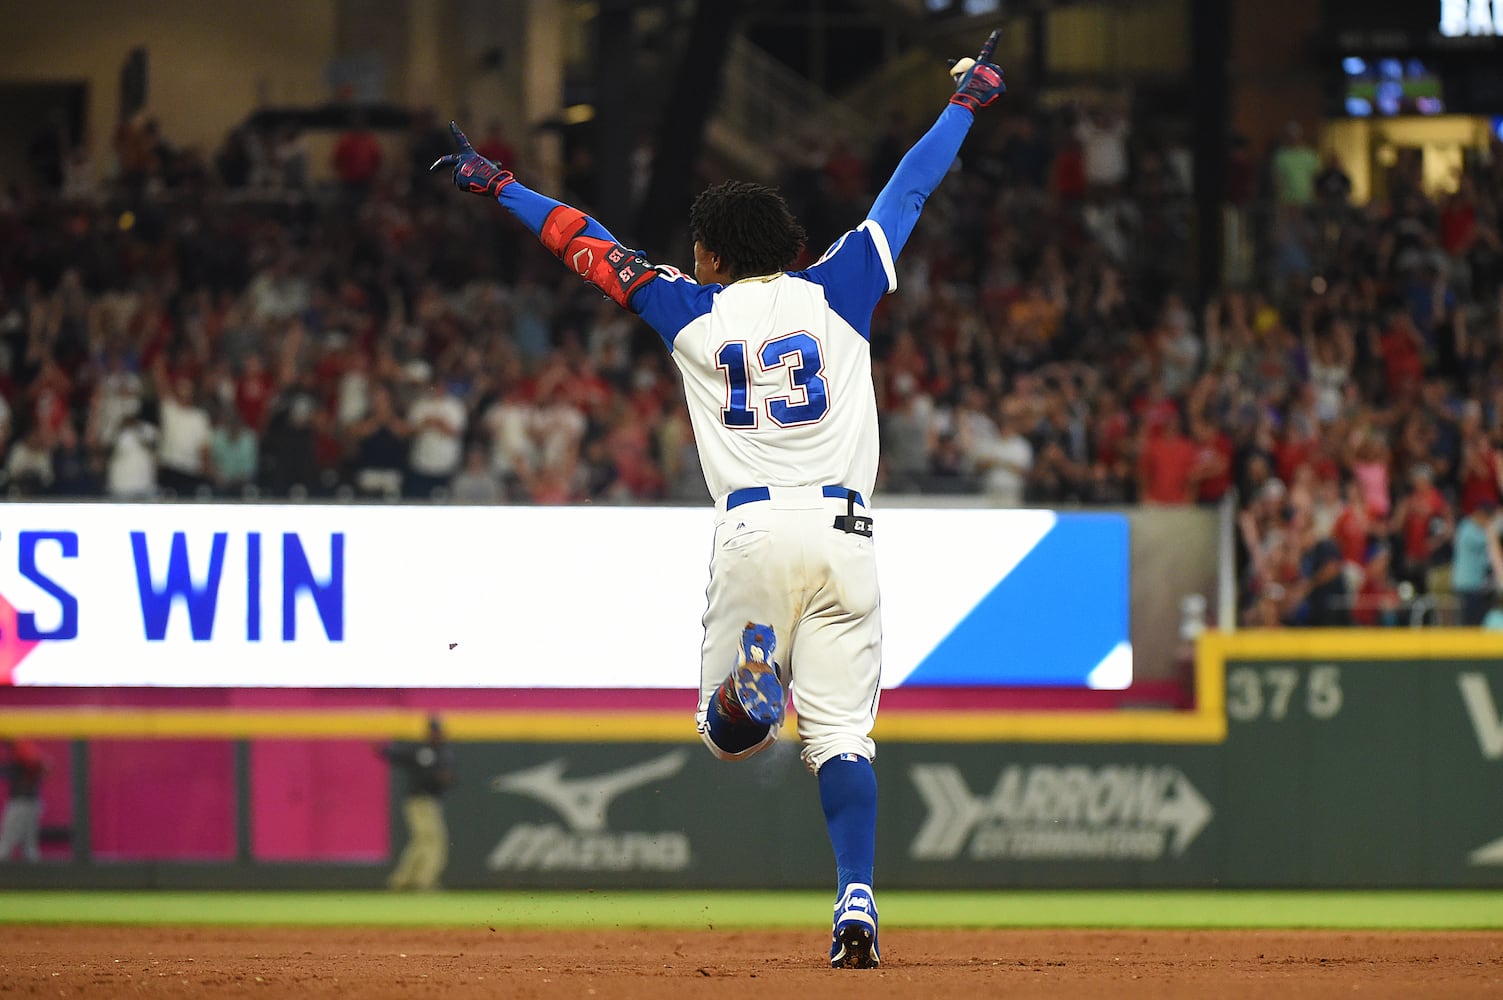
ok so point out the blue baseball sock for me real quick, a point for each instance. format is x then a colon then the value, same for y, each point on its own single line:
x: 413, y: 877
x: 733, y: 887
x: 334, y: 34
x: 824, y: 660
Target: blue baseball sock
x: 848, y: 793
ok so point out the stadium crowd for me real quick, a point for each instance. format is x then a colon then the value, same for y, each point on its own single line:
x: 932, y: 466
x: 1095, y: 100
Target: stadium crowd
x: 218, y: 326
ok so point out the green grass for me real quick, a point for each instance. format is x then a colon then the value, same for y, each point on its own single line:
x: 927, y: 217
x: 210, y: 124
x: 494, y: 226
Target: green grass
x: 1467, y: 909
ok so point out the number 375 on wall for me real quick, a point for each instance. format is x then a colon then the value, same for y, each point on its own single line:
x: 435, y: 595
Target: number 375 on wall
x: 1272, y: 692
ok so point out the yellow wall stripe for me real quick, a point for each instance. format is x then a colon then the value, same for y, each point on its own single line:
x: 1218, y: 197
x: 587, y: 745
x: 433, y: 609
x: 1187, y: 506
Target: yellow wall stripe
x: 1355, y: 644
x: 1206, y: 724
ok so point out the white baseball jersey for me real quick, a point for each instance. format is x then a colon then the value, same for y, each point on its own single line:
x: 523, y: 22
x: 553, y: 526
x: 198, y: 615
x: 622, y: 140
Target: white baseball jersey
x: 777, y: 369
x: 777, y: 374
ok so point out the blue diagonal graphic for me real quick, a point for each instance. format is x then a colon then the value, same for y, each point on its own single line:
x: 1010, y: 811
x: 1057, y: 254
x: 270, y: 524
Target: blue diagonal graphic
x: 1051, y: 620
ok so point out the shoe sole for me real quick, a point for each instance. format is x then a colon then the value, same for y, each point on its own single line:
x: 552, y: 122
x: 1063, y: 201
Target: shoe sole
x: 858, y: 949
x: 759, y: 691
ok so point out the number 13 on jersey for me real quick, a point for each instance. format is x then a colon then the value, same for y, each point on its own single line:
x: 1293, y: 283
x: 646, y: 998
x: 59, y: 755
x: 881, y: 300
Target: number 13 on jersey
x: 808, y: 397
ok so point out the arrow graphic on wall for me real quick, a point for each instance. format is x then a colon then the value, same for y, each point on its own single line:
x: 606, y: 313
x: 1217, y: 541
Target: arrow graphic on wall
x: 13, y: 649
x: 1487, y: 854
x: 1488, y: 727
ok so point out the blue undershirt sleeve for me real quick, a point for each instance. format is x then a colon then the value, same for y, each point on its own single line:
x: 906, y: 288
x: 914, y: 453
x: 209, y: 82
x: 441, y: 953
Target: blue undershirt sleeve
x: 897, y: 207
x: 532, y: 210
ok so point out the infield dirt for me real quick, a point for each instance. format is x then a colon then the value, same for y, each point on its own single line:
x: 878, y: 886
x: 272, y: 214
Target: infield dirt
x: 116, y: 961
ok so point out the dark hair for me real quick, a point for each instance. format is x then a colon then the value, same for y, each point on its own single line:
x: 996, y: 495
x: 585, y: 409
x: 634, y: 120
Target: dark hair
x: 749, y: 226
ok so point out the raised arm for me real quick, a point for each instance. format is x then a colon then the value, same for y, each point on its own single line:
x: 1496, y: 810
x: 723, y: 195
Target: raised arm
x: 585, y: 246
x: 896, y: 210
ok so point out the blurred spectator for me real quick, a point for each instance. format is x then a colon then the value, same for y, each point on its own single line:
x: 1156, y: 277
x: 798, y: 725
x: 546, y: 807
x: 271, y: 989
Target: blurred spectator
x: 80, y: 181
x: 1481, y: 465
x: 356, y: 159
x: 1002, y: 456
x: 1067, y: 177
x: 183, y: 453
x: 1423, y: 522
x: 1327, y: 604
x: 1103, y: 137
x: 28, y: 468
x: 1295, y: 165
x: 289, y: 448
x: 1267, y: 608
x: 132, y: 470
x: 254, y: 391
x: 234, y: 160
x: 1353, y: 529
x: 138, y: 152
x: 1241, y: 180
x: 234, y: 454
x: 1470, y: 566
x: 290, y: 159
x: 474, y: 484
x: 75, y: 465
x: 380, y: 447
x: 437, y: 419
x: 116, y: 398
x: 1377, y: 602
x: 279, y: 291
x: 907, y: 430
x: 1212, y: 467
x: 1169, y: 465
x: 1332, y: 185
x: 1368, y: 459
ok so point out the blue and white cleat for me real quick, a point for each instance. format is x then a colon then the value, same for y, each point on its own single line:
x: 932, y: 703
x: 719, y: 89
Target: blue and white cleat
x: 755, y: 679
x: 853, y: 942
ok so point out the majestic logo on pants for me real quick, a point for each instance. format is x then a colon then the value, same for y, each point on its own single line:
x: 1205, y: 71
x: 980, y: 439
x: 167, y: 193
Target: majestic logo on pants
x: 1044, y: 812
x: 587, y: 845
x: 1477, y: 695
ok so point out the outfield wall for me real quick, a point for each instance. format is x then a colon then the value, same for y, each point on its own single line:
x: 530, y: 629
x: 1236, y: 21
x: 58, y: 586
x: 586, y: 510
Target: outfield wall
x: 1343, y: 758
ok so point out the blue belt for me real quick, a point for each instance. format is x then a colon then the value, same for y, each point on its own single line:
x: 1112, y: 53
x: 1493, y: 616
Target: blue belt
x: 751, y: 494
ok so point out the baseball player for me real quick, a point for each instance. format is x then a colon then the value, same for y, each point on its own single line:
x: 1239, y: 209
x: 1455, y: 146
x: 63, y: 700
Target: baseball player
x: 429, y: 769
x: 21, y: 822
x: 776, y: 368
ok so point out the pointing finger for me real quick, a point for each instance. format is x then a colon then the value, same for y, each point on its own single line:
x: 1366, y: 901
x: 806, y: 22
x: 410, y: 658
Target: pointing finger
x: 459, y: 137
x: 989, y: 46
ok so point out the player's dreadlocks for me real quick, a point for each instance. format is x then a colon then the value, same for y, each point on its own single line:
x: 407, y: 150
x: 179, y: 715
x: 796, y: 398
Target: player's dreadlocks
x: 748, y: 225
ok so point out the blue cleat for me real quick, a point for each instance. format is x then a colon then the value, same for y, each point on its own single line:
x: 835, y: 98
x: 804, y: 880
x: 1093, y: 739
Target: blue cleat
x: 755, y: 680
x: 853, y: 942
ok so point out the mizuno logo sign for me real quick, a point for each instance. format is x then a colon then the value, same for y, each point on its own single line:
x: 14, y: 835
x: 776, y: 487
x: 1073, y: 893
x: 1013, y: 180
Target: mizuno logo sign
x: 583, y: 804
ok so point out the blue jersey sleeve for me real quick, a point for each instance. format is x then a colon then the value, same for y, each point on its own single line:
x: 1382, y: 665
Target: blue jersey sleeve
x: 672, y: 302
x: 855, y: 273
x: 897, y: 207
